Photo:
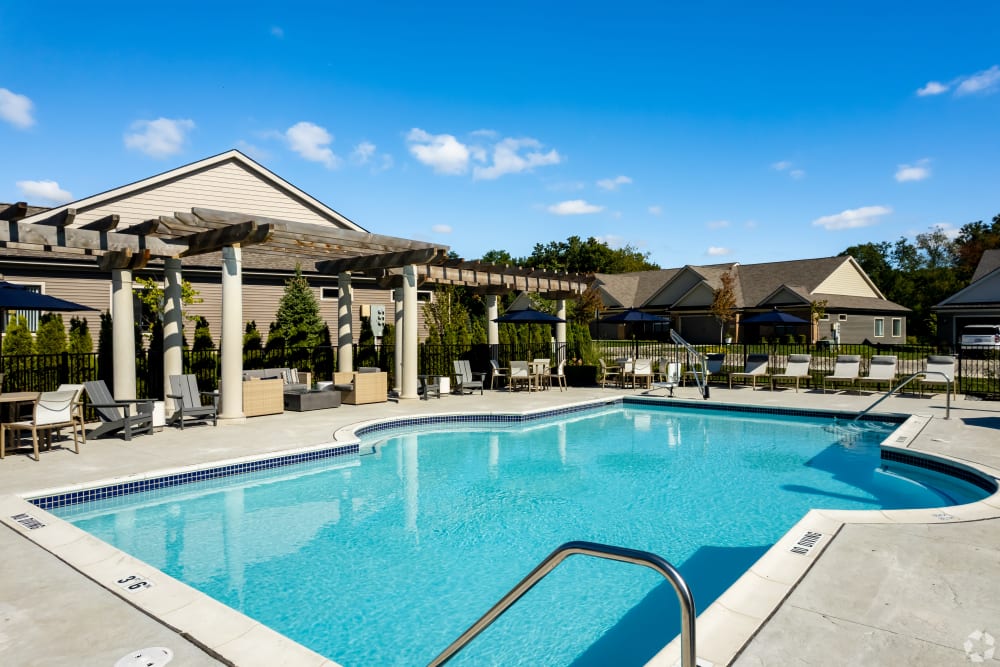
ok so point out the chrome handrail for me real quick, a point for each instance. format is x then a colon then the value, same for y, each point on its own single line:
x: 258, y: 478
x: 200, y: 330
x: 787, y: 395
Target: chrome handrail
x: 947, y: 400
x: 699, y: 375
x: 609, y: 552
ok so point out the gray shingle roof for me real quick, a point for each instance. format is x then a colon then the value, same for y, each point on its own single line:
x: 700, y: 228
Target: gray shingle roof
x: 988, y: 263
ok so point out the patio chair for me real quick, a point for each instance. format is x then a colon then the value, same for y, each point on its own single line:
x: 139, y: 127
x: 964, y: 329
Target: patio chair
x: 465, y: 379
x: 520, y: 374
x: 882, y: 368
x: 846, y: 370
x: 755, y: 369
x: 713, y: 367
x: 77, y: 405
x: 498, y: 372
x: 941, y: 365
x: 428, y: 388
x: 52, y: 411
x: 557, y: 378
x: 642, y: 371
x: 609, y: 373
x: 118, y: 415
x: 187, y: 401
x: 797, y: 370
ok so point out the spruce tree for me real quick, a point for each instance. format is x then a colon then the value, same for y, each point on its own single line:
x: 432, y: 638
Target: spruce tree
x: 80, y: 341
x: 18, y: 339
x: 298, y: 319
x: 51, y: 335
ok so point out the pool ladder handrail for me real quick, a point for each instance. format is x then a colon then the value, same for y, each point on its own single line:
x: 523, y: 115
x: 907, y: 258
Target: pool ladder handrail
x: 597, y: 550
x: 947, y: 402
x: 699, y: 370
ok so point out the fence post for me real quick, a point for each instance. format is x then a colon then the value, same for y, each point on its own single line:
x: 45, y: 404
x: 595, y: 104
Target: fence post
x: 64, y: 367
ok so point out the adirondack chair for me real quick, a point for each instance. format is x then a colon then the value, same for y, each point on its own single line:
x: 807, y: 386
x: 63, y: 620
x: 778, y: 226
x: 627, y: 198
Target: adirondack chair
x: 128, y: 416
x: 187, y: 401
x: 465, y: 381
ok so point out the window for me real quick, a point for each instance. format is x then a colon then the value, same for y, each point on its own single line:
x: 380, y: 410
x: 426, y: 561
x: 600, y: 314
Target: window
x: 424, y: 295
x: 825, y: 317
x: 30, y: 315
x: 842, y: 317
x: 897, y: 327
x: 879, y: 327
x: 328, y: 293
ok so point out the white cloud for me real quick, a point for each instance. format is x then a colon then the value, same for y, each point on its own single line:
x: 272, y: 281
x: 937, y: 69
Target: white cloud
x: 508, y: 158
x: 48, y: 192
x: 786, y: 166
x: 717, y: 224
x: 442, y: 152
x: 488, y: 134
x: 933, y: 88
x: 159, y: 138
x: 797, y: 174
x: 441, y: 229
x: 716, y: 251
x: 16, y: 109
x: 983, y: 82
x: 781, y: 166
x: 913, y: 172
x: 853, y: 218
x: 574, y: 207
x: 949, y: 230
x: 277, y: 31
x: 363, y: 152
x: 612, y: 240
x: 312, y: 143
x: 256, y: 152
x: 655, y: 209
x: 612, y: 184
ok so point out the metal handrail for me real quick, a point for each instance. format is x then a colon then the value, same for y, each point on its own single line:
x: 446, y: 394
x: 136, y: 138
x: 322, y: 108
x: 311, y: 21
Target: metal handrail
x: 609, y: 552
x: 947, y: 401
x: 699, y: 375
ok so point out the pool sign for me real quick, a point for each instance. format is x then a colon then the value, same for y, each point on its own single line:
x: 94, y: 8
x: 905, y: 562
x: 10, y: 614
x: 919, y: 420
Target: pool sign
x: 134, y: 583
x: 806, y: 543
x: 28, y: 521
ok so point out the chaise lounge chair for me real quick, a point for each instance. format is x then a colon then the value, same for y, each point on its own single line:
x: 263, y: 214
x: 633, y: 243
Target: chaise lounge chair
x: 797, y: 370
x: 756, y: 368
x: 882, y: 369
x: 847, y: 370
x: 940, y: 365
x: 713, y: 367
x: 187, y: 398
x: 117, y: 415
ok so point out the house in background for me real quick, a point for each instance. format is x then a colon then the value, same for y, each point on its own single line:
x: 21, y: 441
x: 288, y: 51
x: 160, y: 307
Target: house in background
x: 230, y: 181
x: 855, y: 309
x: 979, y: 303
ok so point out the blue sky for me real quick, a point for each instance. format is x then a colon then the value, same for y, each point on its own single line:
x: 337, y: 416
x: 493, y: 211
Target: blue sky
x: 715, y: 132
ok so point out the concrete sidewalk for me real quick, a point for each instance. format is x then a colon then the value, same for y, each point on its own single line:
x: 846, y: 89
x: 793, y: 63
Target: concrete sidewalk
x: 879, y: 593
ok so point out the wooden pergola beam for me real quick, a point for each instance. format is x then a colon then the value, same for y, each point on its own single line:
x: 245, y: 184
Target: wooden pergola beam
x: 381, y: 261
x: 123, y: 259
x: 63, y: 218
x: 242, y: 234
x: 42, y: 237
x: 105, y: 224
x: 143, y: 228
x: 15, y: 211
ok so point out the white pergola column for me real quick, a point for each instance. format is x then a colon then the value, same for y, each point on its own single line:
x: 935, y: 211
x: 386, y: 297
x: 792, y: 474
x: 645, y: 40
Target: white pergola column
x: 123, y: 334
x: 231, y: 385
x: 345, y: 337
x: 492, y: 328
x: 397, y: 298
x: 560, y: 330
x: 408, y: 383
x: 173, y: 318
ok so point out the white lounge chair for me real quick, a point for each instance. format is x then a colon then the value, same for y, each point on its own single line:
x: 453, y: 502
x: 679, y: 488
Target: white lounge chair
x: 881, y: 370
x: 756, y: 369
x: 797, y: 370
x: 942, y: 372
x: 846, y: 370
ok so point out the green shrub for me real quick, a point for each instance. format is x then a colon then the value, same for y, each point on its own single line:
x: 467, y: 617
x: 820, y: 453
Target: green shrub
x: 51, y: 335
x: 18, y: 339
x: 80, y: 341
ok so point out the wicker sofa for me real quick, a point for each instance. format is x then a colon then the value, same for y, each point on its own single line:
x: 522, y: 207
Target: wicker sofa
x: 362, y: 387
x: 290, y: 377
x: 263, y: 396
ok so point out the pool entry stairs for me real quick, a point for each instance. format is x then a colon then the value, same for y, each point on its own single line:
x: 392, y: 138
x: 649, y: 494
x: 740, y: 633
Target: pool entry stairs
x: 597, y: 550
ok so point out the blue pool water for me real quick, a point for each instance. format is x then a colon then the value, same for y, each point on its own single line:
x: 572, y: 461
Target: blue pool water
x: 385, y: 558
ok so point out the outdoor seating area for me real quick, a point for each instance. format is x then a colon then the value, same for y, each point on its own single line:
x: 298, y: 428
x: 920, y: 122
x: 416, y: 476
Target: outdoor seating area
x: 366, y: 385
x: 534, y: 375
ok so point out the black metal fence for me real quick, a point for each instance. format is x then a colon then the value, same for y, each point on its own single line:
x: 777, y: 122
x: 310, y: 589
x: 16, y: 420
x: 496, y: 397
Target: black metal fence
x: 978, y: 371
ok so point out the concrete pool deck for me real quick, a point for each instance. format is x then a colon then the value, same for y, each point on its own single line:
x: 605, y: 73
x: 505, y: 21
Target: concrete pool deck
x: 880, y: 591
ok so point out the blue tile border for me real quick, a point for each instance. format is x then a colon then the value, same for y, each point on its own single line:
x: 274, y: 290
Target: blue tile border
x: 792, y: 412
x: 940, y: 466
x: 154, y: 483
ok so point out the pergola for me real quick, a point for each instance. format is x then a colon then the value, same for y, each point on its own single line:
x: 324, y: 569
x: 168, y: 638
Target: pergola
x: 398, y: 264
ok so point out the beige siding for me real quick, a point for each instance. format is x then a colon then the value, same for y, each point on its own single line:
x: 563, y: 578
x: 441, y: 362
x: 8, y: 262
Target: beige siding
x: 86, y: 289
x: 846, y: 280
x: 228, y: 186
x: 676, y: 288
x: 701, y: 295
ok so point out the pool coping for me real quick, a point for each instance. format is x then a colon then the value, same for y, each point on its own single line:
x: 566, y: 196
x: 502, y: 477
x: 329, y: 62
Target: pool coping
x: 724, y: 628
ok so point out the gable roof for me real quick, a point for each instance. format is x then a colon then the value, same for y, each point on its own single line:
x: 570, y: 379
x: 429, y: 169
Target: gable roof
x: 229, y: 180
x: 625, y: 289
x: 988, y: 263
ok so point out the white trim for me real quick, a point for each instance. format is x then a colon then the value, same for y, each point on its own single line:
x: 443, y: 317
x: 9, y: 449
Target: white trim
x: 322, y: 292
x: 879, y: 323
x: 892, y: 331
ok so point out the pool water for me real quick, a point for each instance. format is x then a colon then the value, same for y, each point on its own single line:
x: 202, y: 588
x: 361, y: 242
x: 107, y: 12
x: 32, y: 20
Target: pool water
x: 385, y: 558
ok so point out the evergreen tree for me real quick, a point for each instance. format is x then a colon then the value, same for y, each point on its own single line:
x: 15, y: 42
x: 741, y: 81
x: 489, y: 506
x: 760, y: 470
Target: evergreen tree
x: 252, y: 346
x: 447, y: 318
x: 202, y: 336
x: 298, y: 318
x: 17, y: 339
x: 105, y: 352
x: 51, y: 335
x: 80, y: 341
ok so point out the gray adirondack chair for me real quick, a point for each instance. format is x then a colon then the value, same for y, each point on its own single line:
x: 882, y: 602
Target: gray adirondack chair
x: 128, y: 416
x: 187, y: 401
x: 464, y: 377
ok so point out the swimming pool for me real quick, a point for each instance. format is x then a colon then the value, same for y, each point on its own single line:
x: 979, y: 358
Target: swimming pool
x: 384, y: 558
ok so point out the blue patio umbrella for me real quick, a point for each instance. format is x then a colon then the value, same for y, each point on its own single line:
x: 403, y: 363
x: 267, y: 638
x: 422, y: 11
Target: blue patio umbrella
x: 528, y: 316
x: 774, y: 317
x: 633, y: 315
x: 19, y: 297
